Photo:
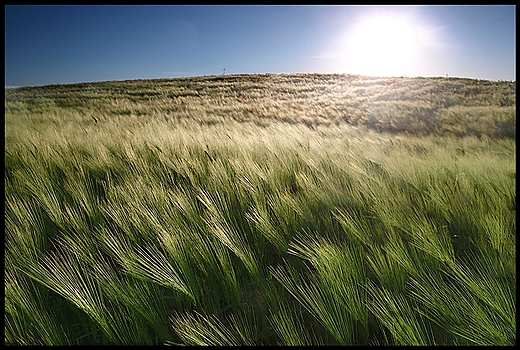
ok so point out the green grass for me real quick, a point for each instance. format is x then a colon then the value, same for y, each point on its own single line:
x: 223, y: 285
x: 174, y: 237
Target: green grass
x: 244, y: 210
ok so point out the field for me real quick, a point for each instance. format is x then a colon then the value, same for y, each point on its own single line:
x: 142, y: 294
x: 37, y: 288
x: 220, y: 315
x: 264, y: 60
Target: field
x: 275, y: 209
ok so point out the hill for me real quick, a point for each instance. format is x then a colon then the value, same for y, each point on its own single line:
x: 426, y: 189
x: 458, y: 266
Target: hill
x: 417, y: 106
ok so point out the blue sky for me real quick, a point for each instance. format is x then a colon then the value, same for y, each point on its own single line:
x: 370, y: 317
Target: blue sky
x: 77, y: 43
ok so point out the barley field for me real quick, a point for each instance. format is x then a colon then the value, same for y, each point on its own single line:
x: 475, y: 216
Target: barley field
x: 273, y: 209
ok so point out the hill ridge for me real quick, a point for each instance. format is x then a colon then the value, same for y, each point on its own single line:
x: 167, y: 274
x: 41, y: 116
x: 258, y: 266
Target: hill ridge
x: 413, y: 105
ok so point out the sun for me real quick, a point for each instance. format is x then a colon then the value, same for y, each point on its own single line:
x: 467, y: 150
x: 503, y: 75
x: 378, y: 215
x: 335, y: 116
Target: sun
x: 380, y: 46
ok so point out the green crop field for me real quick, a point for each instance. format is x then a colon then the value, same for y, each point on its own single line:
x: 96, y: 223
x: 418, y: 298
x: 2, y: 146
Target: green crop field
x: 275, y: 209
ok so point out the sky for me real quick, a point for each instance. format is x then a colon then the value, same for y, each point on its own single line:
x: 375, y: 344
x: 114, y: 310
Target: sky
x: 52, y: 44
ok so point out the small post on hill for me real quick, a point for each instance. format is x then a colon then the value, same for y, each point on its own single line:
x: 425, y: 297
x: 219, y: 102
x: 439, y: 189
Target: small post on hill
x: 224, y: 71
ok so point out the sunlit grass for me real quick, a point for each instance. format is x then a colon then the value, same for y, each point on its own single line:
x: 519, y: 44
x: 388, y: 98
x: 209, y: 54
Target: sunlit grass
x: 201, y: 223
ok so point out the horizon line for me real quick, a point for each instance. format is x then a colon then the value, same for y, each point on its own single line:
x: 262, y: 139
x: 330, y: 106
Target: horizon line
x: 9, y: 86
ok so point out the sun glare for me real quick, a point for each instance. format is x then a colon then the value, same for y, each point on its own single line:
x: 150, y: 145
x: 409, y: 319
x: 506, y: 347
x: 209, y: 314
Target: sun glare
x: 380, y: 46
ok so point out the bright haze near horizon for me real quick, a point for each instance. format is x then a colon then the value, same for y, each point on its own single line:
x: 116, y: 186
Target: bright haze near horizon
x: 52, y: 44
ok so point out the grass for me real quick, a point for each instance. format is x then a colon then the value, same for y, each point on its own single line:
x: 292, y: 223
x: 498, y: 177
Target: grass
x: 245, y: 210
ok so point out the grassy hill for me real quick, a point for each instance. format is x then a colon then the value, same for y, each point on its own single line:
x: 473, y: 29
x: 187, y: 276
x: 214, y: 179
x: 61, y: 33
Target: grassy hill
x: 301, y: 209
x: 419, y: 106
